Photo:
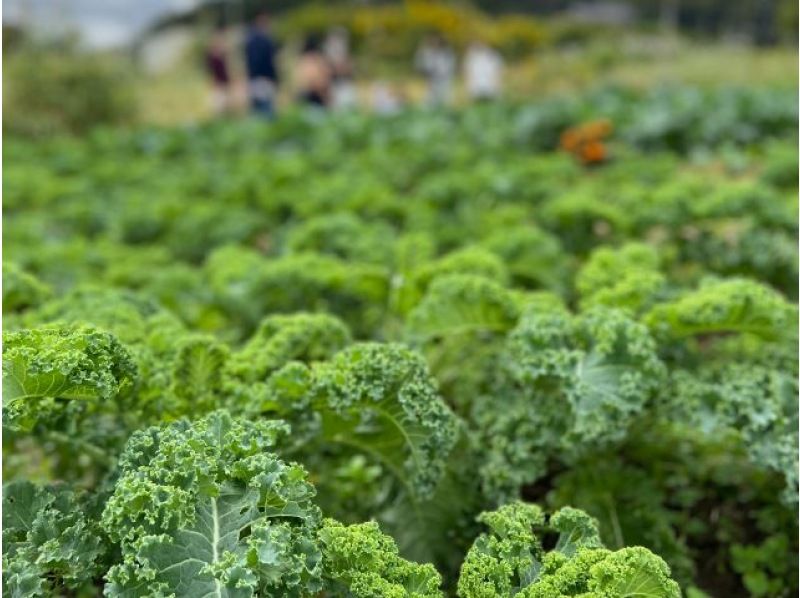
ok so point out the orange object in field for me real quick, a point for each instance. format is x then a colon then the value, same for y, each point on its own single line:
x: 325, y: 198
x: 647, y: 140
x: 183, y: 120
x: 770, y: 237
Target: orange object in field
x: 593, y: 151
x: 585, y: 141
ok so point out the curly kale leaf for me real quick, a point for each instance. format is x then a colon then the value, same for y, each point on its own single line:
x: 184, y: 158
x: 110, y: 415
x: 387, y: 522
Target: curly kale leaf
x: 461, y: 303
x: 632, y: 572
x: 510, y: 560
x: 566, y: 385
x: 378, y: 399
x: 509, y: 557
x: 152, y: 335
x: 582, y: 221
x: 630, y: 504
x: 535, y: 258
x: 506, y: 559
x: 280, y: 339
x: 50, y: 541
x: 343, y: 235
x: 607, y: 265
x: 204, y: 508
x: 197, y: 375
x: 758, y: 402
x: 601, y: 362
x: 625, y: 278
x: 46, y: 365
x: 742, y: 247
x: 470, y: 260
x: 409, y: 287
x: 177, y: 286
x: 133, y: 318
x: 459, y: 325
x: 748, y: 198
x: 732, y: 305
x: 362, y: 562
x: 249, y: 287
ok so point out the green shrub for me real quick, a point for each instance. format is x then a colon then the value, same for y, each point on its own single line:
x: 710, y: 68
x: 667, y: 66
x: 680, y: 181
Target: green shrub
x: 59, y: 89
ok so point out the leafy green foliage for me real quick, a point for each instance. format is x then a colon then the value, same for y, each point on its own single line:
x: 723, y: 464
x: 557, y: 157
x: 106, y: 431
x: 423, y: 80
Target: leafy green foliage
x: 625, y: 573
x: 64, y: 90
x: 510, y: 559
x: 21, y: 290
x: 197, y: 375
x: 625, y: 278
x: 250, y: 287
x: 534, y: 257
x: 466, y: 261
x: 51, y: 541
x: 206, y: 508
x: 462, y: 303
x: 362, y: 560
x: 763, y: 567
x: 756, y: 402
x: 619, y: 339
x: 44, y: 366
x: 281, y: 339
x: 736, y: 305
x: 566, y: 384
x: 341, y: 235
x: 378, y: 399
x: 631, y: 506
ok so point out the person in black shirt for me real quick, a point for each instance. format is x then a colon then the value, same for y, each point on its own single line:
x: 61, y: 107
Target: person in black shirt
x: 259, y: 52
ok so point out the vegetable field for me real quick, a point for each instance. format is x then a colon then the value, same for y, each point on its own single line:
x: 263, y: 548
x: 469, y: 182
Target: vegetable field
x: 538, y: 350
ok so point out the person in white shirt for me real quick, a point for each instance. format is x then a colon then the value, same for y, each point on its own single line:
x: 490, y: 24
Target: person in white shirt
x: 437, y: 61
x: 483, y: 72
x: 337, y: 51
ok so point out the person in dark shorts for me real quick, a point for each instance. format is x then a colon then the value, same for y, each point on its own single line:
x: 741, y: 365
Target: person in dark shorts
x: 313, y: 75
x: 260, y: 53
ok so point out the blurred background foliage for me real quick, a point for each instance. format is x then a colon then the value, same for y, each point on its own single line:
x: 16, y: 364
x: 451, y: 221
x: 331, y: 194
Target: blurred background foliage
x: 551, y: 47
x: 391, y: 32
x: 57, y: 88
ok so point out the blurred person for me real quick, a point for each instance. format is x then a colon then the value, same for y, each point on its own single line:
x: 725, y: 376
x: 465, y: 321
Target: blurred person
x: 437, y: 62
x: 314, y: 75
x: 337, y: 51
x: 483, y: 71
x: 262, y: 76
x: 217, y: 66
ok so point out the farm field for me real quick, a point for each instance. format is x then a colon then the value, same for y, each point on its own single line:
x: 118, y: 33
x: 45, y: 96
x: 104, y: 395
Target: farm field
x: 517, y: 349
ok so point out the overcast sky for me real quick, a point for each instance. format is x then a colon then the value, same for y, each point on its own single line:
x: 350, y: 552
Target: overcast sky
x: 101, y: 23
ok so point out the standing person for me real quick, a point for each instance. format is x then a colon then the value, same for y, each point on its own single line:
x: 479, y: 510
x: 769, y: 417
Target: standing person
x: 314, y: 75
x: 483, y: 71
x: 262, y: 76
x: 337, y: 51
x: 437, y: 62
x: 217, y: 67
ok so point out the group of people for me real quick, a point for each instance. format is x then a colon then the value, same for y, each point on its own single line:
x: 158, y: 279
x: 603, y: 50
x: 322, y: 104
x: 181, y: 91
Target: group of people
x: 323, y: 73
x: 321, y: 70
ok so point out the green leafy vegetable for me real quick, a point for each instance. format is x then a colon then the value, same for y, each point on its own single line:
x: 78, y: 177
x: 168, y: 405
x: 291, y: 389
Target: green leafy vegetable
x: 510, y: 560
x: 379, y: 400
x: 46, y: 365
x: 206, y: 509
